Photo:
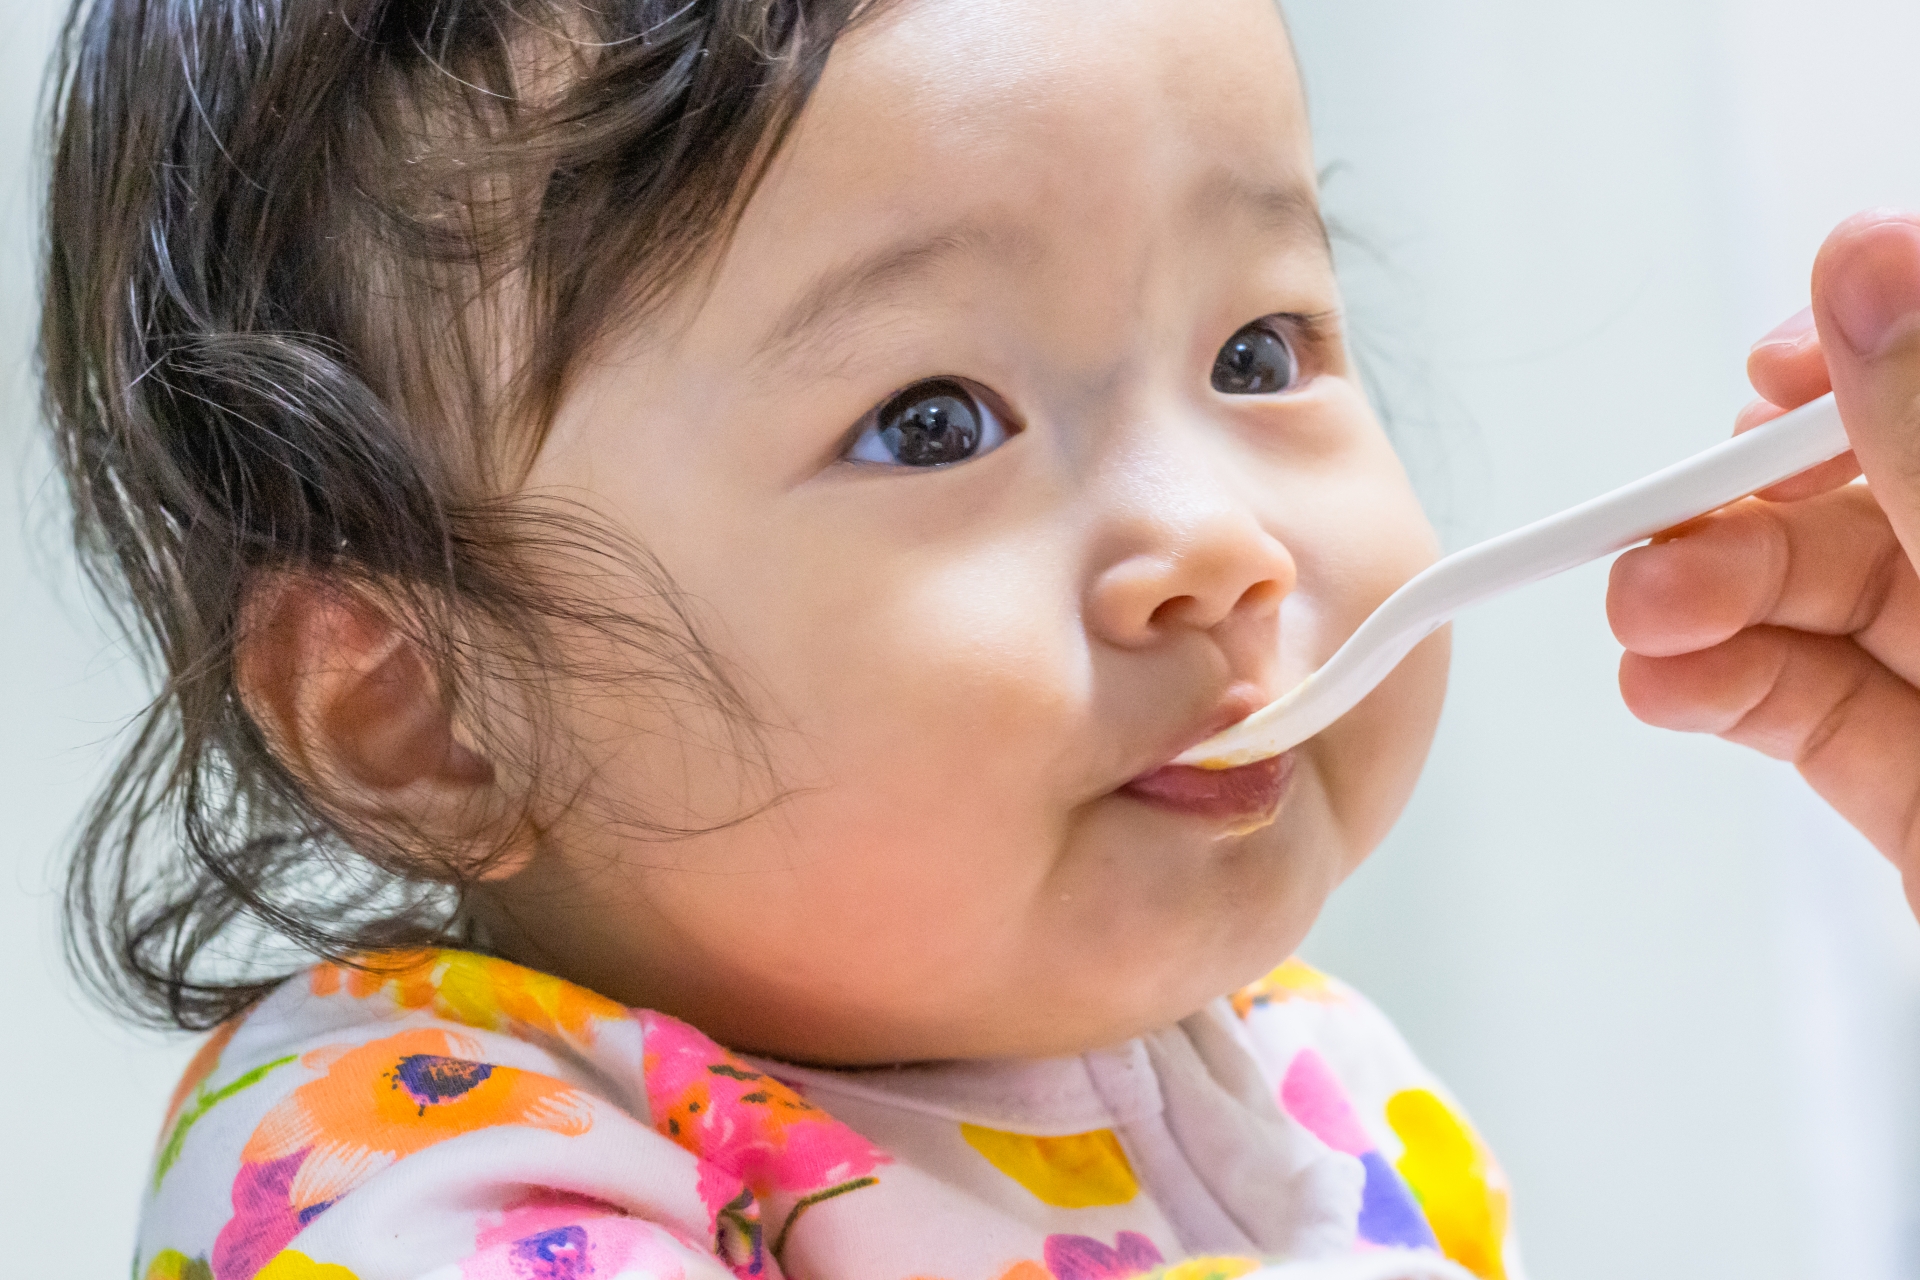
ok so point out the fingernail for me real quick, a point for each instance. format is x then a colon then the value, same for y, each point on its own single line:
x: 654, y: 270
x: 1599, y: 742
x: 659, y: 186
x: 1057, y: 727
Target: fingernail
x: 1875, y: 288
x: 1791, y: 332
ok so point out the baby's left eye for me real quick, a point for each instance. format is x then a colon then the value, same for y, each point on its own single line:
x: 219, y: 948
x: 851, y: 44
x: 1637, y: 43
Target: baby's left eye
x: 930, y: 424
x: 1257, y: 361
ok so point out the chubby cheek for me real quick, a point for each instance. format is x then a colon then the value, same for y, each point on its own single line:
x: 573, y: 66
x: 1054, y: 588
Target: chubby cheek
x: 928, y: 697
x: 1359, y: 535
x: 943, y: 675
x: 1370, y: 760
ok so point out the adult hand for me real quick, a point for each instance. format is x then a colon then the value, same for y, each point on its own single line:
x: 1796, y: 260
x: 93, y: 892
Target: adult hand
x: 1790, y: 622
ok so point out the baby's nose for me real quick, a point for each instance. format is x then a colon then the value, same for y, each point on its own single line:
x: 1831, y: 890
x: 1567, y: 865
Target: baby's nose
x: 1218, y: 571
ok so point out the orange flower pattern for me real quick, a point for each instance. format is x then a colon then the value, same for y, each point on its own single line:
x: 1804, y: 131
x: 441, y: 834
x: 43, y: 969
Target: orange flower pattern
x: 679, y: 1160
x: 373, y: 1105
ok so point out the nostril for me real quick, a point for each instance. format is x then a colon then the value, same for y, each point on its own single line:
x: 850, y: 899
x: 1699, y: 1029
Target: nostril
x: 1261, y: 597
x: 1169, y: 610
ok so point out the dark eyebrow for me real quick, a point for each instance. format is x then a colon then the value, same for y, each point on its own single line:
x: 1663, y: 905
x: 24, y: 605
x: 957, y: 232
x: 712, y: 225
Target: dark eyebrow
x: 1291, y: 209
x: 845, y: 288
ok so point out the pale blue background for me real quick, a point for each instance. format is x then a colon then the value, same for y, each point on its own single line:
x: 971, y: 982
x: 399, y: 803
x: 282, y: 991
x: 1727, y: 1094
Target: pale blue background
x: 1680, y: 998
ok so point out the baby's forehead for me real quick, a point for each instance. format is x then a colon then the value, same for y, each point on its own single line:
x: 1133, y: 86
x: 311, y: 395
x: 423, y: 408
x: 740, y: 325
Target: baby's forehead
x: 985, y: 87
x: 1025, y: 133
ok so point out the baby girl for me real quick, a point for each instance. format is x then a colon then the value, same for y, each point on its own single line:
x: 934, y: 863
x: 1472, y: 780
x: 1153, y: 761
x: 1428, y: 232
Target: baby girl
x: 682, y: 537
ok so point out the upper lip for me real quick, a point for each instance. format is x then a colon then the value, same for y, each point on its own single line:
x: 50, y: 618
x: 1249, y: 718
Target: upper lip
x: 1238, y: 704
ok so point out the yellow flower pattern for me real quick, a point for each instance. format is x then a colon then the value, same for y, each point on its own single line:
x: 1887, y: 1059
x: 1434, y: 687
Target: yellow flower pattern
x: 1081, y: 1171
x: 475, y: 991
x: 1295, y: 979
x: 1456, y: 1180
x: 291, y: 1264
x: 1208, y: 1269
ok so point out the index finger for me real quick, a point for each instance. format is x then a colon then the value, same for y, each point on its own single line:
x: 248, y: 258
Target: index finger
x: 1788, y: 369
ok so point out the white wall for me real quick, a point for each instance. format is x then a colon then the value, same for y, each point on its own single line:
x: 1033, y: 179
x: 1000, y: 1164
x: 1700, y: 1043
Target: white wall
x: 83, y: 1096
x: 1678, y: 996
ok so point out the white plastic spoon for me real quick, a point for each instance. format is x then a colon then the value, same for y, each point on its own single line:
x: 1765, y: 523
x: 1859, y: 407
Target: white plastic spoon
x: 1612, y: 522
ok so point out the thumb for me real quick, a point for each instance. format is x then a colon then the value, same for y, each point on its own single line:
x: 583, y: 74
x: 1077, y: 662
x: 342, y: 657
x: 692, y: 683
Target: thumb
x: 1866, y: 300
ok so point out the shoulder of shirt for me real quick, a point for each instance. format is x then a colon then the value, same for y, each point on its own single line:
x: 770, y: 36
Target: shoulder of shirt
x: 316, y: 1064
x: 1298, y: 1008
x: 424, y: 1006
x: 458, y: 998
x: 1331, y: 1055
x: 1310, y: 1002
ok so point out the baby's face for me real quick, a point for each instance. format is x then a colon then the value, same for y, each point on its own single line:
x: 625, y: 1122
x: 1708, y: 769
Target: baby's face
x: 1013, y: 450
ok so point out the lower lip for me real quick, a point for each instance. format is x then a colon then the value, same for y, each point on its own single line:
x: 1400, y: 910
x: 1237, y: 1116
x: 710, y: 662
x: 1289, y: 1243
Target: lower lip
x: 1249, y: 794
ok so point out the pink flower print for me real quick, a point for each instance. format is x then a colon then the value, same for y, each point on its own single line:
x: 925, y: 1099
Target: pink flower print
x: 757, y: 1140
x: 556, y: 1240
x: 1311, y: 1093
x: 541, y: 1211
x: 1389, y: 1216
x: 1084, y: 1258
x: 743, y: 1120
x: 264, y: 1218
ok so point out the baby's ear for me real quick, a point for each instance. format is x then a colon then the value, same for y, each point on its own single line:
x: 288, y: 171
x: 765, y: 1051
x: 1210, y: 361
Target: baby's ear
x: 347, y: 700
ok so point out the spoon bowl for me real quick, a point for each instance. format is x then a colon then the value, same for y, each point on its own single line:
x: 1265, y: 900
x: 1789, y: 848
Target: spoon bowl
x: 1731, y: 470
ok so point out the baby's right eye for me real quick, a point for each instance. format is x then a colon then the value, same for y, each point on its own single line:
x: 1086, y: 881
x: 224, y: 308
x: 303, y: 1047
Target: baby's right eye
x: 930, y: 424
x: 1257, y: 361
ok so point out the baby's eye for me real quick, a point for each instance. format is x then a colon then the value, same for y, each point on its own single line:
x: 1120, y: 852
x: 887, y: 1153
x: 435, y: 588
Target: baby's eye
x: 1257, y: 361
x: 930, y: 424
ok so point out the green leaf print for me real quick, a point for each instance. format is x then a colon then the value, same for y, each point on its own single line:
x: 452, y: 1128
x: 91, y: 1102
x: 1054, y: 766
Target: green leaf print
x: 203, y: 1102
x: 807, y: 1202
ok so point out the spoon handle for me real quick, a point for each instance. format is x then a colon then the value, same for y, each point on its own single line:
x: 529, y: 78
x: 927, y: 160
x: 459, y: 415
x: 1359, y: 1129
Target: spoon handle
x: 1612, y: 522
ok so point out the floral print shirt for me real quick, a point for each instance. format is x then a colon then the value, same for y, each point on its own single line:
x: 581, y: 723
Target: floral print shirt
x: 448, y: 1116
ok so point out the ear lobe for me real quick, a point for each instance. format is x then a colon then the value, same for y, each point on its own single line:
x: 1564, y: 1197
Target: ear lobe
x: 345, y: 698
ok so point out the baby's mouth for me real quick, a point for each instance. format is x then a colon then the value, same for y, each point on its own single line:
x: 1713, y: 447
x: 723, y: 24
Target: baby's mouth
x: 1247, y: 798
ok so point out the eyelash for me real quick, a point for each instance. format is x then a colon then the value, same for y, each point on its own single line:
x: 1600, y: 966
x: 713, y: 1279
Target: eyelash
x: 1314, y: 331
x: 1310, y: 334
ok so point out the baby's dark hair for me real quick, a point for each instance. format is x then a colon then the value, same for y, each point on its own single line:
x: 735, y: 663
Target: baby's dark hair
x: 317, y: 272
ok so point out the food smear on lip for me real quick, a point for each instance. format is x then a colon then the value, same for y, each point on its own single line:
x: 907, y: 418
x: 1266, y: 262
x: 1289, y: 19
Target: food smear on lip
x: 1248, y: 797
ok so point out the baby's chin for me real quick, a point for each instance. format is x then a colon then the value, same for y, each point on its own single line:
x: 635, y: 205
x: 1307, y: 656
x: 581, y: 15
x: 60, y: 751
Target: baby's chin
x: 1221, y: 913
x: 1217, y: 906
